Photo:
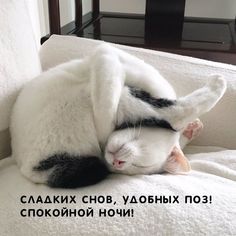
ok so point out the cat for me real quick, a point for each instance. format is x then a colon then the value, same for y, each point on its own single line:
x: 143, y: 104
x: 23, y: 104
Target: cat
x: 67, y: 119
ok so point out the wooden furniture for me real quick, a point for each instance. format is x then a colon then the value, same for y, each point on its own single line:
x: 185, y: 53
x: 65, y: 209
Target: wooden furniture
x: 163, y: 27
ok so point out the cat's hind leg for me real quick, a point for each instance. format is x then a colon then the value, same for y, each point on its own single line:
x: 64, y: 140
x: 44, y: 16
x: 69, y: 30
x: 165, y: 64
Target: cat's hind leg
x: 192, y: 131
x: 189, y: 107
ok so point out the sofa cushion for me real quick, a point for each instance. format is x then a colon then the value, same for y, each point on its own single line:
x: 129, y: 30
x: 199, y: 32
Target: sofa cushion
x: 184, y: 73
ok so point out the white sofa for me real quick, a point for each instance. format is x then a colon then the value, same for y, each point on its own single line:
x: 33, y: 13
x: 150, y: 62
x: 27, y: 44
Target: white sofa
x: 212, y: 155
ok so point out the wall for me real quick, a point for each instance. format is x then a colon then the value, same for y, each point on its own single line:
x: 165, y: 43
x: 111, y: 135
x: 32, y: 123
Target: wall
x: 66, y: 10
x: 198, y: 8
x: 211, y: 8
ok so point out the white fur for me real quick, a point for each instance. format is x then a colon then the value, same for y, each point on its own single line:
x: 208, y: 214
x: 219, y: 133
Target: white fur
x: 53, y: 114
x: 75, y: 106
x: 115, y: 67
x: 143, y: 151
x: 146, y: 150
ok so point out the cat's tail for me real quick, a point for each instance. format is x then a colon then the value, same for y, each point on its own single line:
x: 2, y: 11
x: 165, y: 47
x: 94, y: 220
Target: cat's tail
x: 67, y: 171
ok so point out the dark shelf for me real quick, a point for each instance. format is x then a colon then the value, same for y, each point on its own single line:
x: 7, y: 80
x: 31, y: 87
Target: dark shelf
x: 197, y: 33
x: 163, y: 27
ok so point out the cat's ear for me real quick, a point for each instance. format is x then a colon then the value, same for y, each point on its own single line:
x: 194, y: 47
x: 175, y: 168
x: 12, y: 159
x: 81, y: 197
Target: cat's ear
x: 177, y: 163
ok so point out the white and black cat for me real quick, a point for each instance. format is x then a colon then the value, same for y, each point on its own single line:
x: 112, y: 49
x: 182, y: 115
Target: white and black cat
x: 109, y: 104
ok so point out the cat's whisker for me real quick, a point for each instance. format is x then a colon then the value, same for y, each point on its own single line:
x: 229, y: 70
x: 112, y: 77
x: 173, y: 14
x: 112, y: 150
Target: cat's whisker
x: 140, y: 126
x: 128, y: 130
x: 134, y: 132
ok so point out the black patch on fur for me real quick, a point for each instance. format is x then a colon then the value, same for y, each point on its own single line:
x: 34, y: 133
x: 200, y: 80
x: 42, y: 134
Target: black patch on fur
x: 150, y: 122
x: 146, y: 97
x: 73, y: 171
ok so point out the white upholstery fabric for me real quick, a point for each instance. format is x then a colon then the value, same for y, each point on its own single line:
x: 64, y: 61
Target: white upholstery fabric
x: 215, y: 218
x: 184, y: 73
x: 19, y: 61
x: 214, y: 171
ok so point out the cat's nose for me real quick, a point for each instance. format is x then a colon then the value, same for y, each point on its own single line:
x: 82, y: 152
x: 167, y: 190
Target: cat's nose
x: 114, y: 151
x: 117, y: 163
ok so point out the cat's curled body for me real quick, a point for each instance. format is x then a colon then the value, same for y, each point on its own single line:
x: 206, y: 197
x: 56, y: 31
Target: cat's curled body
x: 63, y: 120
x: 52, y: 121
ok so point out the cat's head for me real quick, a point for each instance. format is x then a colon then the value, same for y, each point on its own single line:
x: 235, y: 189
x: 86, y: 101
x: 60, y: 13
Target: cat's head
x: 146, y: 137
x: 143, y: 143
x: 144, y: 150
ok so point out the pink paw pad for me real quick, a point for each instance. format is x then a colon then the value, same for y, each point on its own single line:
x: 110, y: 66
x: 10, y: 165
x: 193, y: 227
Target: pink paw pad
x: 193, y: 129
